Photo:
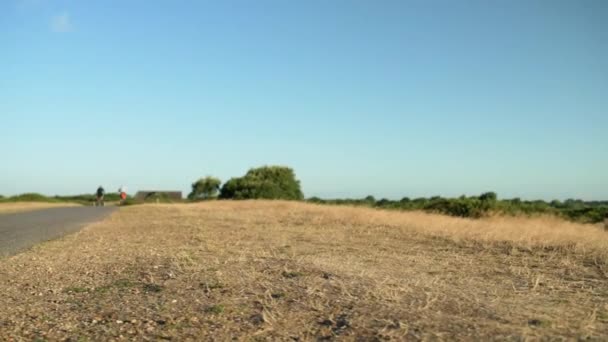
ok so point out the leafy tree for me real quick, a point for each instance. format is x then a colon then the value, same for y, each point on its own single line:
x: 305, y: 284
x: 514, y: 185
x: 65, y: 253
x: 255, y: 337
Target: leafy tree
x: 369, y: 199
x: 488, y: 196
x: 268, y: 182
x: 205, y: 188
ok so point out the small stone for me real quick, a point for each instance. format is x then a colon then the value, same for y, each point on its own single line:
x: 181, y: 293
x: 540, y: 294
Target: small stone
x: 118, y: 321
x: 257, y: 319
x: 342, y: 322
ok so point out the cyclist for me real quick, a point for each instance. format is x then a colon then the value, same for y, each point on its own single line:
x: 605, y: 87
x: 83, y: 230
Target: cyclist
x: 100, y: 194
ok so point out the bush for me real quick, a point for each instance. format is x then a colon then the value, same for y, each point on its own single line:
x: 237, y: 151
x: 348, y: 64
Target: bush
x: 267, y: 182
x: 31, y: 197
x: 586, y: 215
x: 488, y: 197
x: 384, y: 203
x: 88, y: 199
x: 155, y: 197
x: 369, y: 200
x: 132, y: 201
x: 486, y: 204
x: 205, y: 188
x: 461, y: 207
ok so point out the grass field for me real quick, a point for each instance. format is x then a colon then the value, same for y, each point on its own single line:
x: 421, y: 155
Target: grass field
x: 263, y: 270
x: 14, y: 207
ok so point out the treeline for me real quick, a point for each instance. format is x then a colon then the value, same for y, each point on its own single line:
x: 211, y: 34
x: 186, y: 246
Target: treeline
x: 279, y: 182
x: 485, y: 205
x: 36, y: 197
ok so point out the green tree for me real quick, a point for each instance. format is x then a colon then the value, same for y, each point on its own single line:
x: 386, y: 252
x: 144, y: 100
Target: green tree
x: 487, y: 202
x: 205, y: 188
x: 269, y: 182
x: 488, y: 196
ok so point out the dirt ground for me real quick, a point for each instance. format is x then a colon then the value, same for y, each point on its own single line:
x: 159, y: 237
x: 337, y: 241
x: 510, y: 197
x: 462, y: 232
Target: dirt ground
x: 265, y: 270
x: 14, y: 207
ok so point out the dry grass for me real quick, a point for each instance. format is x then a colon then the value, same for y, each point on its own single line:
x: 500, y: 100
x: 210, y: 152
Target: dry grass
x: 294, y: 271
x: 14, y: 207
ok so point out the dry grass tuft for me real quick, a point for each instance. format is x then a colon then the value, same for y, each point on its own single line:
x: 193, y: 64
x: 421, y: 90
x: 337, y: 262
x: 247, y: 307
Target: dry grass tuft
x: 258, y: 270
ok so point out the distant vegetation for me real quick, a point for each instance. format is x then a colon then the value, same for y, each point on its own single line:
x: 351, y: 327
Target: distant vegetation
x: 89, y: 198
x: 29, y: 197
x: 36, y: 197
x: 279, y: 182
x: 485, y: 205
x: 205, y: 188
x: 152, y: 197
x: 267, y: 182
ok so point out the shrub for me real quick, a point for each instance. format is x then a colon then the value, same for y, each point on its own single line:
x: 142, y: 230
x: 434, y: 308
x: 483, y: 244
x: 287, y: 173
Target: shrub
x: 586, y: 215
x: 267, y: 182
x: 369, y: 198
x: 462, y: 207
x: 205, y: 188
x: 132, y: 201
x: 88, y: 198
x: 31, y: 197
x: 488, y: 196
x: 158, y: 197
x: 487, y: 203
x: 383, y: 203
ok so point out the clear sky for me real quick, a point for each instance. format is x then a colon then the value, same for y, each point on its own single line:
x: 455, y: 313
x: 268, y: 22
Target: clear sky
x: 389, y: 98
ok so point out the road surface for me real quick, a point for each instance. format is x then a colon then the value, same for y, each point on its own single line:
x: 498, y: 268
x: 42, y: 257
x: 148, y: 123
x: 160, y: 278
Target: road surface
x: 19, y: 231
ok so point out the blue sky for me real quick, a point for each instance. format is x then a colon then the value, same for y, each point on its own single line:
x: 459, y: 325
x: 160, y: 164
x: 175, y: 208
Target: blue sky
x: 389, y: 98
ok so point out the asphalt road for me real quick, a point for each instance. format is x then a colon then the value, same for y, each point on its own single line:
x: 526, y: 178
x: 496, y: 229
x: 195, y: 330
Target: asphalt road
x: 19, y: 231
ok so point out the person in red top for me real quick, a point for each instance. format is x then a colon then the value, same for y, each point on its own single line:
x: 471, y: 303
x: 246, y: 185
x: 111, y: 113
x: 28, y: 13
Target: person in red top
x: 123, y: 193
